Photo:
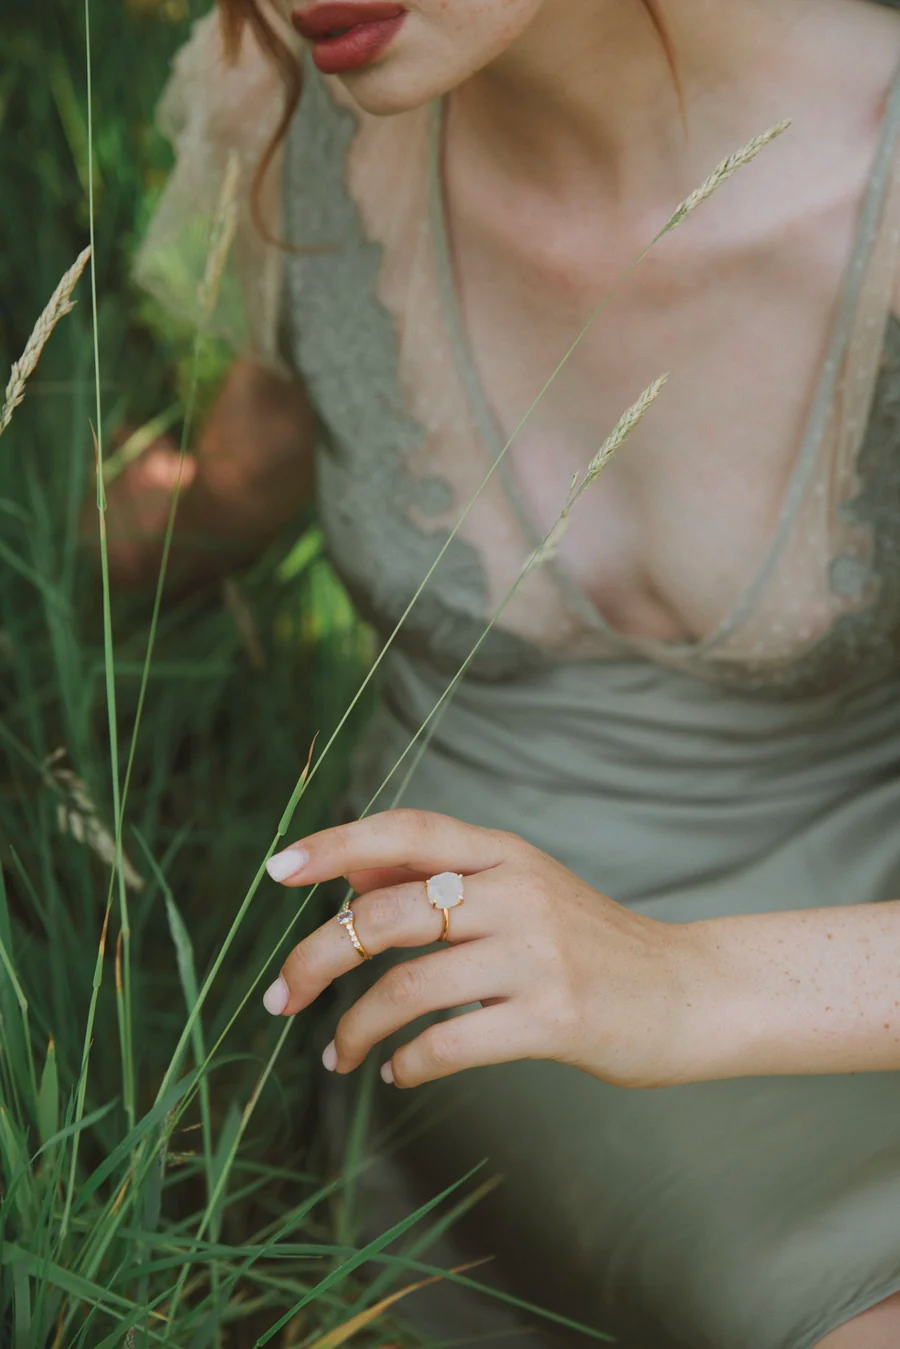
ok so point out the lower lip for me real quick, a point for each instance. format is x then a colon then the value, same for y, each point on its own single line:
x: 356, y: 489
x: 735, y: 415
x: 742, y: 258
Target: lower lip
x: 356, y: 48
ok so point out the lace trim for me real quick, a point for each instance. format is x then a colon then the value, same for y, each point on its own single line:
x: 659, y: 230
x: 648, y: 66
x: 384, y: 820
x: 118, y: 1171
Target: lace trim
x: 346, y: 345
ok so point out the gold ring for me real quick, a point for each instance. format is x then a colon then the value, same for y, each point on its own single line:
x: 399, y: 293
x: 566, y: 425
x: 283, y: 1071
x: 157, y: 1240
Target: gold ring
x: 445, y: 892
x: 344, y: 916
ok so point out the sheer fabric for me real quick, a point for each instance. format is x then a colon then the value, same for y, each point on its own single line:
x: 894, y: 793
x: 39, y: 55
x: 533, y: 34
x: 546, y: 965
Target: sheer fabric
x: 215, y: 114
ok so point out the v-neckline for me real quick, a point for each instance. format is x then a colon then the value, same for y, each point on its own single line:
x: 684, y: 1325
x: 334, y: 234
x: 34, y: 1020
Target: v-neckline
x: 867, y: 220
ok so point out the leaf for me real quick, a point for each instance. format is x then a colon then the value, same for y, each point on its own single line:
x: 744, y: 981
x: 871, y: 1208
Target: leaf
x: 6, y: 959
x: 184, y: 958
x: 305, y: 551
x: 14, y: 1010
x: 19, y: 1176
x: 48, y: 1100
x: 153, y: 1186
x: 285, y: 822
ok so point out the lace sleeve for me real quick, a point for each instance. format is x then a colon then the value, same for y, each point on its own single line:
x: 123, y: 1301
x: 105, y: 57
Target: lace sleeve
x: 219, y: 119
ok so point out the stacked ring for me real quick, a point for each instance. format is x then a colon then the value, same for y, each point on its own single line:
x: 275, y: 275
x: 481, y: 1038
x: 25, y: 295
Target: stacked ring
x: 345, y: 917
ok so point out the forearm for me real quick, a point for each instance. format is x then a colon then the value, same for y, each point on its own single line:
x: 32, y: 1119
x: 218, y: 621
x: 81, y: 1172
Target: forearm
x: 809, y: 991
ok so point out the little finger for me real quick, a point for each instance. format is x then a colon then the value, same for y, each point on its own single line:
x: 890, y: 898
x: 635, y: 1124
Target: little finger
x: 496, y: 1034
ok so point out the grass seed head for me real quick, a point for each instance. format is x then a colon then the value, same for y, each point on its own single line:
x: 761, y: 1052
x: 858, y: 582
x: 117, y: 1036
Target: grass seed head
x: 727, y: 169
x: 59, y: 304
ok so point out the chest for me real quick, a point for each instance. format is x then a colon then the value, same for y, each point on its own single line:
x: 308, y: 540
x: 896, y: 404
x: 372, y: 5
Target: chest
x: 675, y: 529
x: 426, y: 333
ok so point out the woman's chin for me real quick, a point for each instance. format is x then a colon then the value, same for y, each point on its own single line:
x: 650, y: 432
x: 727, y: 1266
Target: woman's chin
x: 390, y: 87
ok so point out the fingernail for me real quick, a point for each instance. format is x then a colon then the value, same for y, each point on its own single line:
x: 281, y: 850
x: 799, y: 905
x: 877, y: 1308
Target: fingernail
x: 387, y: 1072
x: 275, y: 998
x: 329, y: 1057
x: 287, y: 863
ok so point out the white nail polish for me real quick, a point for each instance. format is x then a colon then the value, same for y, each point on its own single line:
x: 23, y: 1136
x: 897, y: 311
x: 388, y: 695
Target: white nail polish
x: 329, y: 1057
x: 387, y: 1072
x: 287, y: 863
x: 275, y: 998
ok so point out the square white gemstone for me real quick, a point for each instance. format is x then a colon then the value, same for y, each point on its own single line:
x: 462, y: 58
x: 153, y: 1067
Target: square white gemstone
x: 446, y: 890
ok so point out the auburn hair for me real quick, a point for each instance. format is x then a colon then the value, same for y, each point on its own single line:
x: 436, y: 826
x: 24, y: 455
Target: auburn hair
x: 236, y: 15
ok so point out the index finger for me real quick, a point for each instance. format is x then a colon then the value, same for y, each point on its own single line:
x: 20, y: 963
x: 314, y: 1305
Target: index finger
x: 417, y: 840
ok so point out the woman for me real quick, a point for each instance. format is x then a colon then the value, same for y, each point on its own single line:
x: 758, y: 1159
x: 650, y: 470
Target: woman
x: 668, y: 788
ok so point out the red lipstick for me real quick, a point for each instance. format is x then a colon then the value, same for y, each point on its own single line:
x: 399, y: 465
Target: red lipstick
x: 347, y: 36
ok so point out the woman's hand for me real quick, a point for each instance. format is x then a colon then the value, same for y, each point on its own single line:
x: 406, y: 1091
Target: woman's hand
x: 249, y: 476
x: 560, y: 970
x: 139, y: 503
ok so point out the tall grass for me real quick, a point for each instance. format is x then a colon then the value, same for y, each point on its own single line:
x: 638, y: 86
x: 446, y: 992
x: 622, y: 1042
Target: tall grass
x: 147, y: 1195
x: 272, y: 659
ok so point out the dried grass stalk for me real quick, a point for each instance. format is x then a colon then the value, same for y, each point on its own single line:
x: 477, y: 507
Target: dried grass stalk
x: 245, y: 623
x: 222, y: 235
x: 727, y: 169
x: 617, y: 437
x: 59, y: 304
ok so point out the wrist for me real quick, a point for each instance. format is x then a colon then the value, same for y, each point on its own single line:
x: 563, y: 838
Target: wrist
x: 714, y: 1025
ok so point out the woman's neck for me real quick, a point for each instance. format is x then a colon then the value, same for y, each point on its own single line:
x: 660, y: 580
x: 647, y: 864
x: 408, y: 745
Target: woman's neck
x: 585, y: 102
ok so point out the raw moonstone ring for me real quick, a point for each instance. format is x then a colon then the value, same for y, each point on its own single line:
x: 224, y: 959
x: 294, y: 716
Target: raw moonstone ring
x: 444, y: 892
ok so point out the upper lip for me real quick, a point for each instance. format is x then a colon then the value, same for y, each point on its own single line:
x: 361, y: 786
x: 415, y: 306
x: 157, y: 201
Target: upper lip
x: 323, y: 19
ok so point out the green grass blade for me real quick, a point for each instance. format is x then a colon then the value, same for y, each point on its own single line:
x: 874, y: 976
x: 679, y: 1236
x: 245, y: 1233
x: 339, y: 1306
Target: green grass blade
x: 22, y: 1303
x: 120, y: 1336
x: 187, y: 973
x: 154, y: 1118
x: 75, y: 1126
x: 81, y: 1092
x: 359, y: 1258
x: 52, y: 597
x: 225, y: 1161
x: 84, y: 1290
x: 48, y: 1101
x: 19, y: 1188
x: 123, y: 986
